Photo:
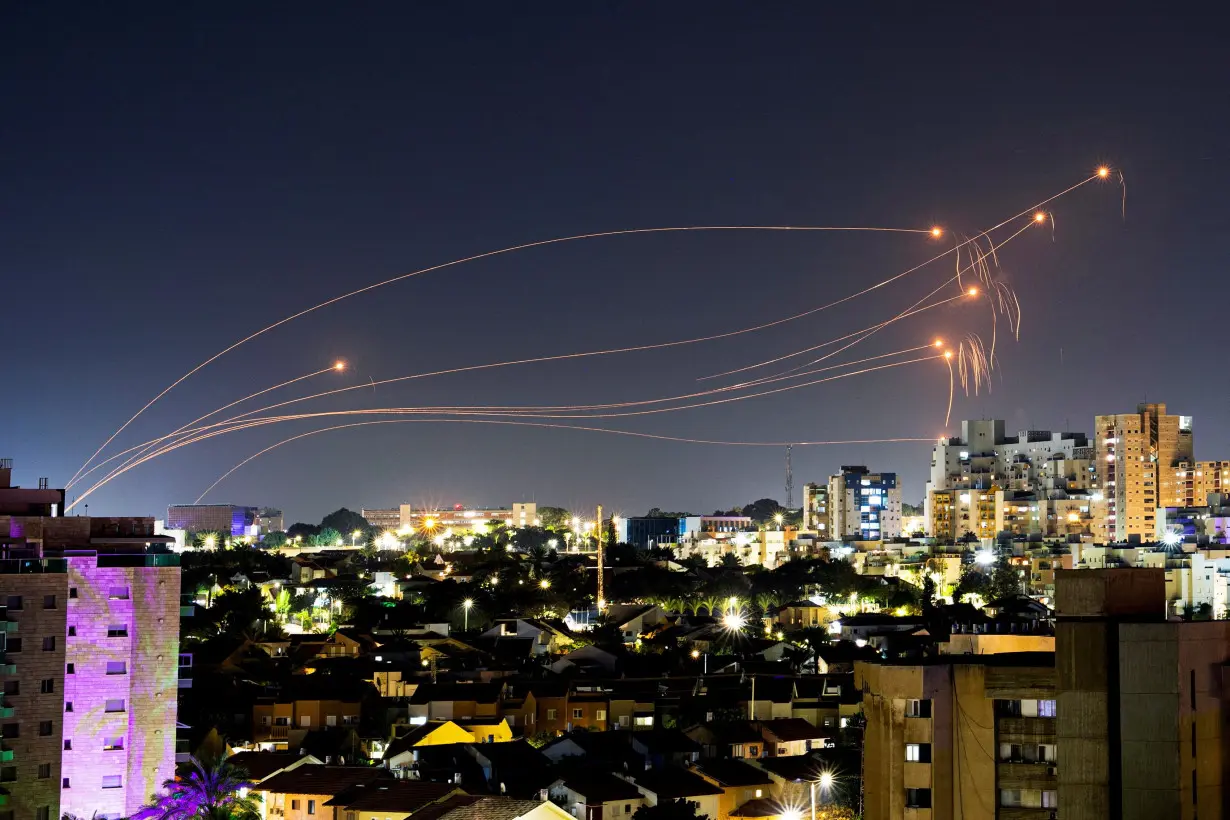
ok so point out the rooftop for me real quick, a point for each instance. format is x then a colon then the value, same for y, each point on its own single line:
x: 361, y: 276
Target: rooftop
x: 730, y: 772
x: 394, y: 795
x: 671, y: 784
x: 330, y: 780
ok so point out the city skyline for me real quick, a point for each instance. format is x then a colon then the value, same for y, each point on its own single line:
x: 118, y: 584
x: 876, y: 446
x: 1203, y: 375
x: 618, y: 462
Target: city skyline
x: 278, y: 162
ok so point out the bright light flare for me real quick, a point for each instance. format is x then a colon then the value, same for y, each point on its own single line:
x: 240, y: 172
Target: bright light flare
x: 826, y: 781
x: 937, y: 231
x: 1103, y: 172
x: 544, y: 583
x: 1172, y: 538
x: 468, y: 603
x: 947, y: 354
x: 984, y: 558
x: 733, y: 621
x: 939, y: 342
x: 972, y: 292
x: 1039, y: 217
x: 339, y: 365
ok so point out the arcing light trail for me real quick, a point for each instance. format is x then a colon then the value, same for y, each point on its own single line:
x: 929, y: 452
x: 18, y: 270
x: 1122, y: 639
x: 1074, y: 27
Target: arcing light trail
x: 474, y: 258
x: 261, y: 421
x: 547, y: 425
x: 336, y: 367
x: 1102, y: 173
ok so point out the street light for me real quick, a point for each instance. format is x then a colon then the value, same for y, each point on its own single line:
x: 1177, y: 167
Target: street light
x: 354, y: 535
x: 544, y: 583
x: 466, y: 605
x: 779, y: 518
x: 826, y: 785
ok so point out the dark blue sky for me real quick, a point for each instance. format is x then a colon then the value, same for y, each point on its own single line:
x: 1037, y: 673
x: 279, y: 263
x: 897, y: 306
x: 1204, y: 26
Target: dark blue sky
x: 177, y: 175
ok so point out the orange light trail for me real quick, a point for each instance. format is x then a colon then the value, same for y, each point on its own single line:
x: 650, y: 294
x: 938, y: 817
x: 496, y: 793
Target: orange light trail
x: 548, y: 425
x: 473, y: 258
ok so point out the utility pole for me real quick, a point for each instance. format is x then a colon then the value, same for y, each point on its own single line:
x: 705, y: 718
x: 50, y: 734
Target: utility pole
x: 601, y: 564
x: 789, y: 481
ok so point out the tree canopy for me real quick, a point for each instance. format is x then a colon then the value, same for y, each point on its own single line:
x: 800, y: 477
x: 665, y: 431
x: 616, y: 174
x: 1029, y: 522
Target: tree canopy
x: 345, y: 521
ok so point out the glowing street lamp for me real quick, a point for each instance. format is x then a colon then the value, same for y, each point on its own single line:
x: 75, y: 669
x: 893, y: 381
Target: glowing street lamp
x: 778, y: 519
x: 544, y: 584
x: 467, y: 605
x: 354, y: 535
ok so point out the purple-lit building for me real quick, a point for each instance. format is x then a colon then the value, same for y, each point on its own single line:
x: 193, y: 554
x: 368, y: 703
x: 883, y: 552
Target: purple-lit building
x: 89, y: 673
x: 226, y: 519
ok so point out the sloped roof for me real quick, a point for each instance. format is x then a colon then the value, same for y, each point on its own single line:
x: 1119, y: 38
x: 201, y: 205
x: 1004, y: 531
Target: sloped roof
x: 792, y: 729
x: 330, y: 780
x: 730, y: 772
x: 260, y: 765
x: 437, y: 810
x: 673, y: 783
x: 477, y: 692
x: 492, y: 808
x: 760, y: 807
x: 393, y: 795
x: 601, y: 787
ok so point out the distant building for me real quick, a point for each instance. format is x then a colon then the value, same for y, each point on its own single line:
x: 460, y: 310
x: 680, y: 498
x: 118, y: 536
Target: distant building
x: 864, y: 505
x: 459, y: 519
x: 1137, y: 456
x: 382, y: 519
x: 644, y: 533
x: 816, y: 509
x: 699, y: 526
x: 226, y: 519
x: 270, y: 520
x: 15, y: 500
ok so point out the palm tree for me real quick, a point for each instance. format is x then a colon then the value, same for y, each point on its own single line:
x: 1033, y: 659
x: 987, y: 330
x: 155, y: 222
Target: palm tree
x: 207, y: 792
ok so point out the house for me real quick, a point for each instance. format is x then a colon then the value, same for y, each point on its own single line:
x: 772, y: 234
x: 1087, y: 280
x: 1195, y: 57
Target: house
x: 770, y: 697
x: 632, y: 704
x: 551, y: 707
x: 633, y: 620
x: 787, y: 737
x: 827, y: 701
x: 264, y: 765
x: 663, y: 785
x: 792, y: 777
x: 588, y: 710
x: 513, y: 769
x: 731, y: 739
x: 388, y: 799
x: 740, y: 783
x: 597, y: 795
x: 448, y: 701
x: 550, y: 636
x: 863, y: 626
x: 520, y: 709
x: 305, y: 702
x: 402, y: 753
x: 839, y: 658
x: 802, y: 615
x: 486, y: 729
x: 301, y: 793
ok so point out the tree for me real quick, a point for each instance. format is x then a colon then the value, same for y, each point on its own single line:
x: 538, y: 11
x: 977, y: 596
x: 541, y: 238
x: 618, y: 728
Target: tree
x: 345, y: 521
x: 669, y: 810
x: 235, y: 611
x: 301, y: 530
x: 762, y: 510
x: 1005, y: 580
x: 326, y: 538
x: 729, y: 561
x: 274, y: 539
x: 554, y: 518
x: 207, y: 792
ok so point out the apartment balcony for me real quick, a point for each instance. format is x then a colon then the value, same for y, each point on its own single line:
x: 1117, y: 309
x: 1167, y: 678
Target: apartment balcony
x: 267, y: 734
x: 1041, y: 775
x: 6, y: 755
x: 9, y: 627
x: 1029, y: 729
x: 7, y: 711
x: 4, y: 798
x: 1023, y: 813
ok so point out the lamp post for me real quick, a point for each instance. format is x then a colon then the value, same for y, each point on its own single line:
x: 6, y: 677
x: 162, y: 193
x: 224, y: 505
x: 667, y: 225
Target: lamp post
x: 826, y: 784
x: 466, y: 605
x: 354, y: 535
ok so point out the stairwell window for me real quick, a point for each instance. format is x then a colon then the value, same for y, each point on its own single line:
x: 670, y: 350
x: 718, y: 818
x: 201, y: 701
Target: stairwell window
x: 117, y: 631
x: 117, y: 667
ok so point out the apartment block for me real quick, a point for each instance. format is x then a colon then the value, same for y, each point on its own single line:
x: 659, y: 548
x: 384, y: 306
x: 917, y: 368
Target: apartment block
x: 1141, y: 701
x: 864, y: 505
x: 1195, y: 481
x: 960, y: 737
x: 1137, y: 457
x: 91, y: 678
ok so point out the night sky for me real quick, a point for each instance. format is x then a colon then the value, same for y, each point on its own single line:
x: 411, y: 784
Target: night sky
x: 178, y: 175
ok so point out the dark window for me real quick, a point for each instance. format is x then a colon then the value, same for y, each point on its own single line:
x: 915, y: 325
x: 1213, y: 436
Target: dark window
x: 49, y: 643
x: 44, y: 771
x: 13, y: 603
x: 918, y: 798
x: 72, y: 592
x: 49, y: 602
x: 14, y: 645
x: 117, y: 667
x: 311, y: 807
x: 43, y: 813
x: 10, y: 730
x: 68, y: 706
x: 918, y: 708
x: 70, y: 669
x: 12, y: 687
x: 1193, y: 688
x: 72, y: 632
x: 8, y: 774
x: 117, y: 631
x: 45, y: 728
x: 64, y: 783
x: 47, y: 686
x: 68, y: 745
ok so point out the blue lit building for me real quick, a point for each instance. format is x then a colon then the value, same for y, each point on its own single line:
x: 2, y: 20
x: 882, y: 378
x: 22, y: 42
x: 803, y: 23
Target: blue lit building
x: 864, y: 506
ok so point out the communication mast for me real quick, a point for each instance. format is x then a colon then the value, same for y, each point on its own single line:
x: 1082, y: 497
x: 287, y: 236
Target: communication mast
x: 789, y: 481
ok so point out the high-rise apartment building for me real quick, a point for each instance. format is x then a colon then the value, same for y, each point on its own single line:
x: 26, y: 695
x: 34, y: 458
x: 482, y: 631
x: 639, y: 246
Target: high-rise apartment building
x: 90, y: 681
x: 1137, y: 457
x: 816, y: 509
x: 863, y: 505
x: 1037, y: 472
x: 960, y: 737
x: 1142, y: 706
x: 1195, y: 481
x: 90, y: 666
